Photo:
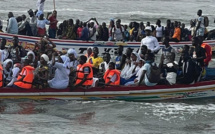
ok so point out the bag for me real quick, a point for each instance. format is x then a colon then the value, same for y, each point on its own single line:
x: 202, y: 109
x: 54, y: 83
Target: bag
x: 206, y: 21
x: 154, y: 76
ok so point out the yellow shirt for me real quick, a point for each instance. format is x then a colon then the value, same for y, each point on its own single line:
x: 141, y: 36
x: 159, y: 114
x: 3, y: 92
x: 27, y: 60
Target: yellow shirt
x: 131, y: 31
x: 95, y: 61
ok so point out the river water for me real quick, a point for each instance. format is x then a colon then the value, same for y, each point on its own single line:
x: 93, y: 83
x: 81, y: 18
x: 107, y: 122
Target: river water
x: 110, y: 117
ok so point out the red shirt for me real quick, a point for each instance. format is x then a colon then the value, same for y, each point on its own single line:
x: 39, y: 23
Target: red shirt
x: 53, y: 25
x: 79, y: 31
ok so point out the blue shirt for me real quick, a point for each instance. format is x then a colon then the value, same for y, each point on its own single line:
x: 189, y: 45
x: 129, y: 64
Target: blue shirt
x: 84, y: 34
x: 12, y: 26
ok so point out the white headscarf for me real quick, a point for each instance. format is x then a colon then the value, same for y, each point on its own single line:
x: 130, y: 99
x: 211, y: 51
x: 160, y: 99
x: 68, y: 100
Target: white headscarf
x: 72, y: 51
x: 137, y: 55
x: 45, y: 57
x: 6, y: 62
x: 31, y: 52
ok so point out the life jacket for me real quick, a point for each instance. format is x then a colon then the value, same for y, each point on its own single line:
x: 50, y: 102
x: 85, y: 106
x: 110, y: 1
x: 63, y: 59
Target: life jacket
x: 109, y: 74
x: 208, y: 52
x: 80, y: 74
x: 26, y: 83
x: 1, y: 75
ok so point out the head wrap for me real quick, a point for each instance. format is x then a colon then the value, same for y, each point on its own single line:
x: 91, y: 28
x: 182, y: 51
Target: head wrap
x: 45, y: 57
x: 72, y: 51
x: 31, y: 52
x: 6, y: 62
x: 137, y: 55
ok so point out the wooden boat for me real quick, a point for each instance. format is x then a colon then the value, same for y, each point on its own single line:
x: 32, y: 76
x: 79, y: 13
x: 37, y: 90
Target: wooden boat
x: 141, y: 93
x: 81, y: 46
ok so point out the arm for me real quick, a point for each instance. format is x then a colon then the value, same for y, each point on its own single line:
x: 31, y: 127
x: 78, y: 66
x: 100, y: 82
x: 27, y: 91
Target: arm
x: 157, y: 45
x: 9, y: 25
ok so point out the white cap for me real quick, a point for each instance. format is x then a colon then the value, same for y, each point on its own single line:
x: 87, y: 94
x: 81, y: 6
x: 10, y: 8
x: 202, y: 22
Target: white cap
x: 148, y: 28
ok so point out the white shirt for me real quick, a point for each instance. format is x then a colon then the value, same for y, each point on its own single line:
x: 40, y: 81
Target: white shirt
x: 40, y: 6
x: 201, y: 19
x: 151, y: 43
x: 91, y: 33
x: 118, y: 34
x: 159, y: 31
x: 14, y: 76
x: 3, y: 54
x: 105, y: 65
x: 61, y: 78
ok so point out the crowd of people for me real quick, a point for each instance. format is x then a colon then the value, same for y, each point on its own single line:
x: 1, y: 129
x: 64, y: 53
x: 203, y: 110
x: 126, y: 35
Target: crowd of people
x: 36, y: 25
x: 45, y: 67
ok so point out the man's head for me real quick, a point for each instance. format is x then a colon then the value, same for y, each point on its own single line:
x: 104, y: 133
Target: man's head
x: 195, y: 41
x: 10, y: 14
x: 158, y: 22
x: 176, y: 24
x: 166, y: 42
x: 199, y: 12
x: 148, y: 30
x: 95, y: 51
x: 3, y: 43
x: 15, y: 41
x: 149, y: 57
x: 82, y: 59
x: 106, y: 57
x: 30, y: 12
x: 54, y: 13
x: 111, y: 65
x: 144, y: 49
x: 120, y: 49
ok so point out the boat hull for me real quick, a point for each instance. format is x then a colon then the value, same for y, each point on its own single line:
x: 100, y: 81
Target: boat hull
x: 140, y: 93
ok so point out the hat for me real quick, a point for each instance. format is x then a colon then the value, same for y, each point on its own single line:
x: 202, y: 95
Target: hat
x: 149, y: 28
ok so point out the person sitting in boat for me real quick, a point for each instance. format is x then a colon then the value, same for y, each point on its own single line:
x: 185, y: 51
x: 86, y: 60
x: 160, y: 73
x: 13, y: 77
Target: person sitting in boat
x: 188, y: 69
x: 31, y: 57
x: 112, y: 75
x: 41, y: 25
x: 84, y: 76
x: 79, y: 30
x: 198, y: 55
x: 16, y: 51
x: 104, y: 65
x: 150, y: 41
x: 7, y: 71
x: 73, y: 63
x: 26, y: 77
x: 147, y: 76
x: 95, y: 60
x: 44, y: 45
x: 144, y: 50
x: 89, y: 53
x: 71, y: 33
x: 177, y: 33
x: 130, y: 73
x: 120, y: 58
x: 42, y: 73
x: 15, y: 72
x: 136, y: 81
x: 61, y: 77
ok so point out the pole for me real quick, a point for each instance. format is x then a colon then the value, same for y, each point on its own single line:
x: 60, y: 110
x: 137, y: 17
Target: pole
x: 54, y: 4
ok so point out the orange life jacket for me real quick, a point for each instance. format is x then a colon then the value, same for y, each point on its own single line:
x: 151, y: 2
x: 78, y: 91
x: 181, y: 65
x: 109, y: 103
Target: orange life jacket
x: 80, y: 74
x: 1, y: 75
x: 208, y: 52
x: 28, y: 79
x: 109, y: 74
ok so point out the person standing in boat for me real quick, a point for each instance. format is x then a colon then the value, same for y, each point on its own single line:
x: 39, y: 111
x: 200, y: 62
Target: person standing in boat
x: 41, y: 25
x: 159, y: 30
x: 71, y: 34
x: 119, y: 32
x: 120, y: 58
x: 150, y: 41
x: 53, y: 24
x: 16, y: 51
x: 111, y: 30
x: 85, y: 33
x: 168, y: 29
x: 3, y: 51
x: 92, y: 30
x: 177, y: 33
x: 32, y: 20
x: 12, y: 27
x: 200, y: 28
x: 105, y: 32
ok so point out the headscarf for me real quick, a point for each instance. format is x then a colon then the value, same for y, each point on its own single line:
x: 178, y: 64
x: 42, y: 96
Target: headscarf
x: 72, y: 51
x: 6, y: 62
x: 65, y: 60
x: 45, y: 57
x: 31, y: 52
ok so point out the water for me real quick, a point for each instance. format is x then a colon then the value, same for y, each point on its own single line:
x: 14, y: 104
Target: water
x: 110, y: 117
